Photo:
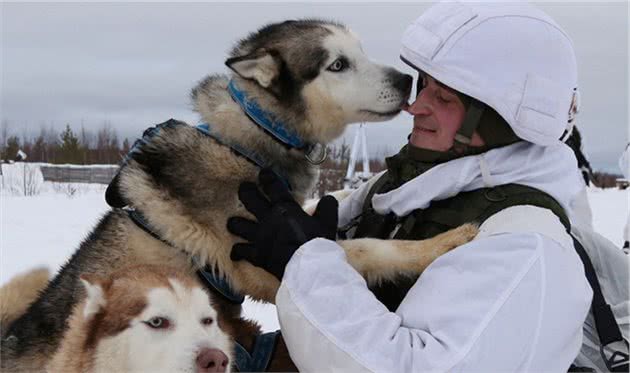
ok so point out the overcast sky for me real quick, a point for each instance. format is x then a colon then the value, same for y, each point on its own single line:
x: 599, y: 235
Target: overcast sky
x: 133, y: 64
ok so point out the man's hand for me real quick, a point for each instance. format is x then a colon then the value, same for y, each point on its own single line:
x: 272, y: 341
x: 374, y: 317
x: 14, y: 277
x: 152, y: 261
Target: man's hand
x: 282, y: 225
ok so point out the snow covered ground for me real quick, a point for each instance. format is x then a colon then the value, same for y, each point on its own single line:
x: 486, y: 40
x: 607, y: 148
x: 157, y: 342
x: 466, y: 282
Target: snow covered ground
x: 45, y: 229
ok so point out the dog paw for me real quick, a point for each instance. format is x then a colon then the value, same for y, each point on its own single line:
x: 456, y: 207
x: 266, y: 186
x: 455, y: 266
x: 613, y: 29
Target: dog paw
x: 463, y: 234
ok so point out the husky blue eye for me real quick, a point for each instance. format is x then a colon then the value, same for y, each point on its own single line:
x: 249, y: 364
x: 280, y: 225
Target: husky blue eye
x: 338, y: 65
x: 158, y: 322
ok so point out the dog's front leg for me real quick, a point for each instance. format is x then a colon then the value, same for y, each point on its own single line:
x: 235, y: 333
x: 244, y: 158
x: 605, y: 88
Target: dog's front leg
x: 384, y: 260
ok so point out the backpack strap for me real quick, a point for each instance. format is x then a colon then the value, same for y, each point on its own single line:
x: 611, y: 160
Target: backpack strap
x: 370, y: 223
x: 480, y: 204
x: 613, y: 348
x: 509, y: 195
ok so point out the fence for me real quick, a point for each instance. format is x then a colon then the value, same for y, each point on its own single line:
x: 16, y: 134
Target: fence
x: 79, y: 174
x: 329, y: 179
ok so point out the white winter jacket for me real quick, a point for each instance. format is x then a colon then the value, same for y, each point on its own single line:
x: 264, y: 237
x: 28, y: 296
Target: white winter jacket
x: 513, y: 299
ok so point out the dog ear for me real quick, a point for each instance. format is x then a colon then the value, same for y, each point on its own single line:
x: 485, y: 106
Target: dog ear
x: 262, y: 66
x: 113, y: 197
x: 95, y: 299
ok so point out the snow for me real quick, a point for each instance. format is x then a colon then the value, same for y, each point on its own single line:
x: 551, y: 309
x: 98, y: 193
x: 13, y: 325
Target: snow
x: 46, y: 228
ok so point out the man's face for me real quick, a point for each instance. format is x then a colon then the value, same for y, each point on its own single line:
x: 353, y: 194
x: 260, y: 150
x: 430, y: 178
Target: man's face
x: 438, y: 114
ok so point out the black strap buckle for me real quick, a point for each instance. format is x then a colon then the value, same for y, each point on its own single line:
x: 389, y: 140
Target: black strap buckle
x: 615, y: 359
x: 495, y: 194
x: 342, y: 232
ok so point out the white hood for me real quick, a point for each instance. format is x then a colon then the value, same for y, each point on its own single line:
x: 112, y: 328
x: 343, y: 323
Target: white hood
x: 543, y: 168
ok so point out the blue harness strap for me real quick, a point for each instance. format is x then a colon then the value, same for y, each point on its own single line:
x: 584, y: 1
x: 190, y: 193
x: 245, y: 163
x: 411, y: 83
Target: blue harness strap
x: 220, y: 285
x: 258, y: 360
x: 252, y: 157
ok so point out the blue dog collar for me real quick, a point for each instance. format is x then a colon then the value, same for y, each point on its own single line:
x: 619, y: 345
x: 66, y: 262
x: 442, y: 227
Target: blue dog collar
x: 265, y: 119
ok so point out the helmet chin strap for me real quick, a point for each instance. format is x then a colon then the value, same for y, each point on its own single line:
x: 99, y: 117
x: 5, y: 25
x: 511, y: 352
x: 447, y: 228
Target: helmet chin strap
x: 464, y: 135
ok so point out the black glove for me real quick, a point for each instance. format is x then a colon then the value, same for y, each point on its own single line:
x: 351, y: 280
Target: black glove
x: 282, y: 225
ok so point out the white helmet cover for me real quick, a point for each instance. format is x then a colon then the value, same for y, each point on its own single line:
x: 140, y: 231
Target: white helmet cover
x: 510, y: 56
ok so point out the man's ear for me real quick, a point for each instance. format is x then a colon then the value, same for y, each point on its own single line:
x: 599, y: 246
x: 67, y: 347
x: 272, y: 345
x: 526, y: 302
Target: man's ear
x: 262, y: 66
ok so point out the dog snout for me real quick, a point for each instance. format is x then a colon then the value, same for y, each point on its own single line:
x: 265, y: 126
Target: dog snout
x: 211, y: 360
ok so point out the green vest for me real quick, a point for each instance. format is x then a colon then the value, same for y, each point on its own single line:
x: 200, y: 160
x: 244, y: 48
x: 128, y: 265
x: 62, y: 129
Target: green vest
x: 440, y: 216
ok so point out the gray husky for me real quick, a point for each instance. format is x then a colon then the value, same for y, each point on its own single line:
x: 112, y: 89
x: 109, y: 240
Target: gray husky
x: 294, y: 87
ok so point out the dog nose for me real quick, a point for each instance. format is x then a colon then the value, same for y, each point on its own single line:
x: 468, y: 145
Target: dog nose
x: 399, y: 81
x: 403, y: 83
x: 211, y: 360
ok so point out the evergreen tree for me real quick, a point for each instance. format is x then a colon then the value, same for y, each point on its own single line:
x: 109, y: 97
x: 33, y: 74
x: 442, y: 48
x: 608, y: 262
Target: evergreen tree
x: 70, y: 150
x: 11, y: 149
x: 39, y: 150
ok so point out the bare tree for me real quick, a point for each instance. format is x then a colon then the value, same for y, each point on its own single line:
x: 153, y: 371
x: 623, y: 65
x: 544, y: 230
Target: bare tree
x: 86, y: 137
x: 32, y: 182
x: 4, y: 135
x: 104, y: 138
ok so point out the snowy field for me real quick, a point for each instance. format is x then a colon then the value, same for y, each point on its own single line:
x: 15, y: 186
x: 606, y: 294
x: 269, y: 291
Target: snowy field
x: 46, y: 228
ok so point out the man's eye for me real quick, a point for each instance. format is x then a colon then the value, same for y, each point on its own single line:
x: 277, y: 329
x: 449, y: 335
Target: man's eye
x: 443, y: 100
x: 158, y: 323
x: 338, y: 65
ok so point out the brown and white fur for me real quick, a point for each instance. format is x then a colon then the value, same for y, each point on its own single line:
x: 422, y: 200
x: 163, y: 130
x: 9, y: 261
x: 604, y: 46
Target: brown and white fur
x: 22, y: 290
x: 144, y: 319
x: 311, y: 75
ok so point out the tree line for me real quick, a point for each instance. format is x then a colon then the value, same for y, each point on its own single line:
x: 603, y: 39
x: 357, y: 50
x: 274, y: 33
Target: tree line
x: 82, y: 146
x: 103, y: 146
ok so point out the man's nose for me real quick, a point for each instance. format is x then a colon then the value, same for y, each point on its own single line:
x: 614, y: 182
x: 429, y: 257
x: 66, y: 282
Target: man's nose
x: 420, y: 106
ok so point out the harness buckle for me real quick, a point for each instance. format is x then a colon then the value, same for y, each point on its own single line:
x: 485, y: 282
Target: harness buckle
x: 342, y: 232
x: 615, y: 359
x: 316, y: 154
x: 495, y: 194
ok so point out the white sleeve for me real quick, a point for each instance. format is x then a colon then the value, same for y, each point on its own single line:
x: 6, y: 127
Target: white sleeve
x: 483, y: 306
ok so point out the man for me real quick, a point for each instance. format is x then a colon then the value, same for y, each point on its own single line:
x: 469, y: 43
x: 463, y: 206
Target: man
x: 496, y: 85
